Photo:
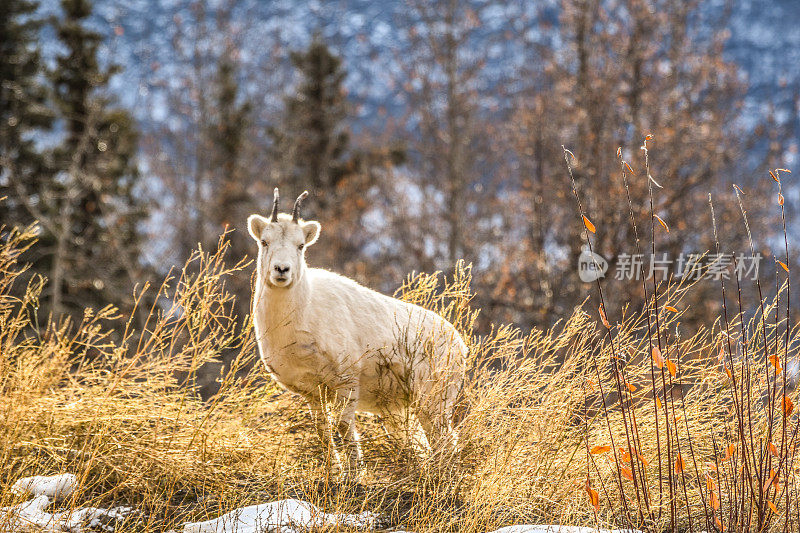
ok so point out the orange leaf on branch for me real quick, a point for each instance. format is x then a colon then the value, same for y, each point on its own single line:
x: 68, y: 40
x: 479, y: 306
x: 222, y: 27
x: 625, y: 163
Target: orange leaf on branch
x: 588, y: 224
x: 787, y: 405
x: 657, y: 358
x: 603, y: 317
x: 680, y: 465
x: 729, y: 451
x: 624, y: 456
x: 773, y: 479
x: 776, y: 362
x: 594, y: 498
x: 599, y: 449
x: 671, y: 367
x: 773, y: 450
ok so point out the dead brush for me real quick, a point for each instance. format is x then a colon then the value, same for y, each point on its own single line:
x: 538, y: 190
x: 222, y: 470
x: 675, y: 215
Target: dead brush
x: 724, y: 448
x: 614, y: 421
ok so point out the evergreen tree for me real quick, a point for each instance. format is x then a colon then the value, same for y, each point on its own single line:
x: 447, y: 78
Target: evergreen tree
x: 95, y: 257
x: 313, y: 142
x: 231, y: 201
x: 23, y: 113
x: 312, y: 151
x: 228, y: 127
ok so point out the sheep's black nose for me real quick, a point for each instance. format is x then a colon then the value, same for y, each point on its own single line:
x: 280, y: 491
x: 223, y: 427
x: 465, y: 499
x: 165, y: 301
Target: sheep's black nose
x: 282, y: 269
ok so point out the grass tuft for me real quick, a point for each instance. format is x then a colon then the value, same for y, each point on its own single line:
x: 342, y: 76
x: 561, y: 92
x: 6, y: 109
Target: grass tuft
x: 599, y: 421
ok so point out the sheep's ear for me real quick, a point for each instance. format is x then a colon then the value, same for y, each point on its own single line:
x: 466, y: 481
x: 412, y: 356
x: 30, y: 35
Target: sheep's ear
x: 256, y: 225
x: 311, y: 230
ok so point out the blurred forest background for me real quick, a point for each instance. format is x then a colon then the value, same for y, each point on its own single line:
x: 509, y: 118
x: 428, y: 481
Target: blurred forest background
x: 426, y: 132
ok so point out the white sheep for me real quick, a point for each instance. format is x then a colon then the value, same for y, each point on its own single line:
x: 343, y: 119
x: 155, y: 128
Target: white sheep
x: 335, y: 342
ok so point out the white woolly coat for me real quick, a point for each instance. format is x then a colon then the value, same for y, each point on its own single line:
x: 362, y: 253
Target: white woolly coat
x: 328, y: 334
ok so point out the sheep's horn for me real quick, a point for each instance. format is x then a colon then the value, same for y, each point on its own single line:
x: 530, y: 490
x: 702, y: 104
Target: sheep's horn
x: 275, y: 199
x: 296, y: 209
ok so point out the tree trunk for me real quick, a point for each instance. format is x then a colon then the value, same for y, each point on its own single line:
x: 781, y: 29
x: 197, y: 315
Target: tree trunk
x: 58, y: 267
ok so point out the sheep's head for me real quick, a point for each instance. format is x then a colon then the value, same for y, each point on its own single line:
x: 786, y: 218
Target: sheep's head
x: 282, y: 242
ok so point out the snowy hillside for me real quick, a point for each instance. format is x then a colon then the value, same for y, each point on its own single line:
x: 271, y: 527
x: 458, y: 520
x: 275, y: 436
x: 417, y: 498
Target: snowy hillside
x: 765, y: 41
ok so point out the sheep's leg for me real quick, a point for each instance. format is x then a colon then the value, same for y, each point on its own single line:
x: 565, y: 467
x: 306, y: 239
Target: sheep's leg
x: 404, y: 428
x: 399, y: 425
x: 322, y: 426
x: 394, y: 425
x: 438, y: 429
x: 447, y: 421
x: 346, y: 426
x: 429, y: 428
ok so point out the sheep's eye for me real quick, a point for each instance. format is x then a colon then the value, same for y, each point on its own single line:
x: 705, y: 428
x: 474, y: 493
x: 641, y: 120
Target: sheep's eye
x: 301, y: 247
x: 264, y: 243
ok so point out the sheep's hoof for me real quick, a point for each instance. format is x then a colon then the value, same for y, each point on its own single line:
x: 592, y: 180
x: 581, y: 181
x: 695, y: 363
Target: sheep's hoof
x: 350, y: 478
x: 351, y: 474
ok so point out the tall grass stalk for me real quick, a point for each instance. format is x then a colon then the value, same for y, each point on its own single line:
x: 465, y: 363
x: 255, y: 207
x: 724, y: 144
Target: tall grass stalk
x: 601, y: 420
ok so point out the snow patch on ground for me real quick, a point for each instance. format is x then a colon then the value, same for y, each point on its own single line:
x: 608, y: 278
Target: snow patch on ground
x: 286, y: 516
x: 289, y: 515
x: 559, y: 529
x: 30, y: 516
x: 296, y: 516
x: 552, y: 529
x: 58, y: 487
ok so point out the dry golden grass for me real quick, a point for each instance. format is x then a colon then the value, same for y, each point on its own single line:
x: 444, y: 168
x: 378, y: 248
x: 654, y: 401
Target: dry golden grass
x: 118, y: 407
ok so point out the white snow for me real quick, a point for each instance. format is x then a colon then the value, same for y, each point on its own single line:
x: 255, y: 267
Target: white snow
x: 559, y: 529
x: 286, y: 516
x: 30, y: 516
x: 294, y: 516
x: 58, y: 487
x: 552, y: 529
x: 289, y: 515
